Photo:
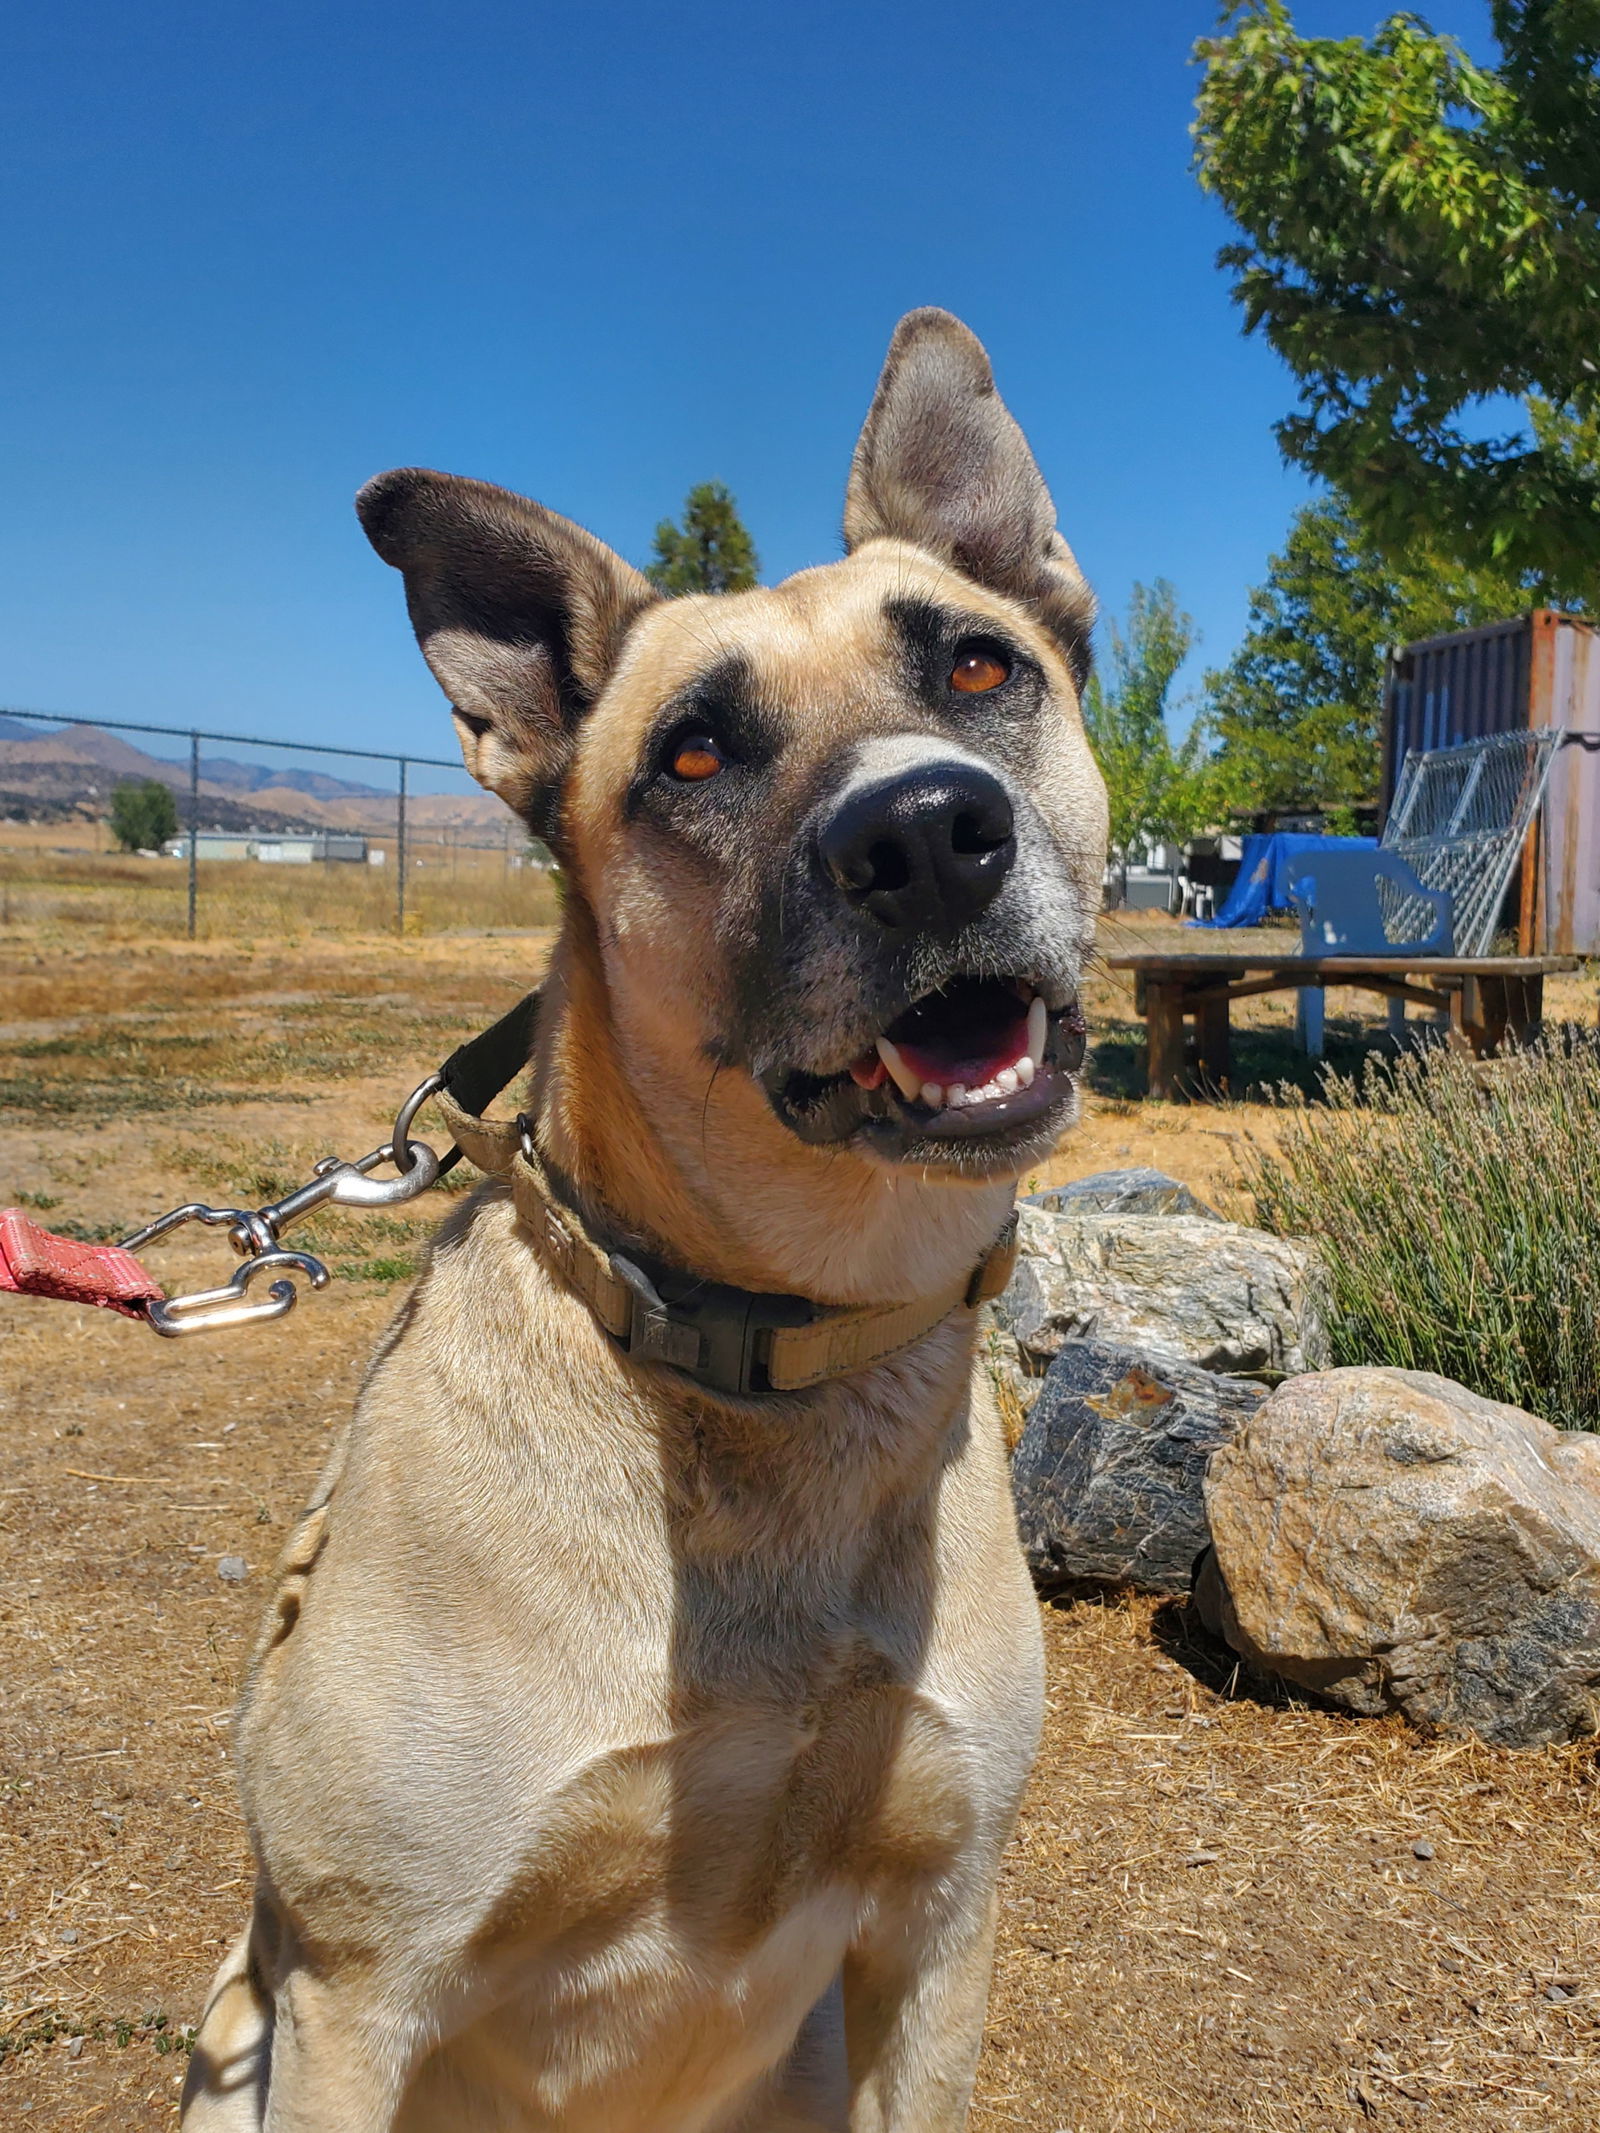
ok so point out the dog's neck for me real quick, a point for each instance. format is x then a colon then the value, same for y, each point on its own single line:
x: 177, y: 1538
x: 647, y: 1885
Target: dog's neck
x: 693, y: 1164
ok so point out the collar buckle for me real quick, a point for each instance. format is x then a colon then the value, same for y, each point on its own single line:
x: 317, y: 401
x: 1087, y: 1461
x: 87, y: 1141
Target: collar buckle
x: 656, y: 1334
x: 720, y: 1337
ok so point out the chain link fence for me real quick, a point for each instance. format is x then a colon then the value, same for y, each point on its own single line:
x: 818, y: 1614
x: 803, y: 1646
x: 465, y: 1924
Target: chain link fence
x: 110, y: 830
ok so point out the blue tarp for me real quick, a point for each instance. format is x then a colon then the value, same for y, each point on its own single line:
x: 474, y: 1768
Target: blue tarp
x: 1267, y: 867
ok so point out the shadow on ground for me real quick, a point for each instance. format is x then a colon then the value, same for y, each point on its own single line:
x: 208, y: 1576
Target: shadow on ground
x: 1265, y: 1060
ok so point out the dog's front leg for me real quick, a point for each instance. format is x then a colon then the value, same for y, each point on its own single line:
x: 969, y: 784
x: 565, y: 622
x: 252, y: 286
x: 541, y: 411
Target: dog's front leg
x: 813, y: 2089
x: 914, y: 2007
x: 226, y: 2088
x: 340, y: 2059
x: 297, y: 2055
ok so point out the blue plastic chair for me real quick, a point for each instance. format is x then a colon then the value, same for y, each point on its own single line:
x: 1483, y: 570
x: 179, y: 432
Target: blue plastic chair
x: 1340, y: 914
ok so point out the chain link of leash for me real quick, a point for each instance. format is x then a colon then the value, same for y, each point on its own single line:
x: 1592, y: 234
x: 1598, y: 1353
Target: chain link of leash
x: 256, y: 1233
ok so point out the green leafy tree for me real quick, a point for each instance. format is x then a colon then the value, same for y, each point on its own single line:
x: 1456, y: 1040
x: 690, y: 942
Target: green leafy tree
x: 711, y: 552
x: 1294, y: 715
x: 143, y: 815
x: 1422, y: 238
x: 1158, y: 788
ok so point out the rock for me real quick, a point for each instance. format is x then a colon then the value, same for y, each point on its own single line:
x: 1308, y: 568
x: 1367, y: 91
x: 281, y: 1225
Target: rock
x: 1185, y: 1288
x: 1391, y: 1541
x: 1132, y: 1258
x: 1018, y: 1377
x: 1123, y: 1192
x: 1109, y: 1477
x: 232, y: 1569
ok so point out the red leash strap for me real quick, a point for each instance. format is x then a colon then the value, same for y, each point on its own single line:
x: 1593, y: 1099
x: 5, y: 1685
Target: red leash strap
x: 36, y: 1262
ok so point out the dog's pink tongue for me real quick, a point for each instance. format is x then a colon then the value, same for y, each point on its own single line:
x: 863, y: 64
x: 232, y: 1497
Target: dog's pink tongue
x: 964, y: 1038
x: 970, y: 1069
x: 869, y: 1072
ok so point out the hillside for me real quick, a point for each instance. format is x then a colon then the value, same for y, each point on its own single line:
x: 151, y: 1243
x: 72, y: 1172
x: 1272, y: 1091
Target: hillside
x: 49, y: 773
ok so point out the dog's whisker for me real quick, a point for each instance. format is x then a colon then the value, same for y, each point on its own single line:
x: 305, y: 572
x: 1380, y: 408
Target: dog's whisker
x: 705, y: 1111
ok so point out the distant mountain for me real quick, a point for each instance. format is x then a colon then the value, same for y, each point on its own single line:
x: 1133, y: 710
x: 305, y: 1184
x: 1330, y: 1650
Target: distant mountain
x: 45, y: 770
x: 95, y: 743
x: 251, y: 777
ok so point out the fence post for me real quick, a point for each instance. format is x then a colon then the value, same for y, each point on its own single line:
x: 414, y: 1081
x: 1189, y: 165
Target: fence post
x: 194, y: 829
x: 400, y: 854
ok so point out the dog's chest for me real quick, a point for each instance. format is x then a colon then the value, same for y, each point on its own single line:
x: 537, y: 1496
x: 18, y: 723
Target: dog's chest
x: 698, y: 1892
x: 840, y: 1777
x: 673, y: 1904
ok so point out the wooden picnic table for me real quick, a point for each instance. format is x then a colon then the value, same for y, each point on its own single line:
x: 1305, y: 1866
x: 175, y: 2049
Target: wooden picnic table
x: 1485, y: 996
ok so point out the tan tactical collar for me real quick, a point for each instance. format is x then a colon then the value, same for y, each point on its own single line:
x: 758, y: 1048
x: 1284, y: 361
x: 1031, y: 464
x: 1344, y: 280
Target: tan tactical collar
x: 737, y: 1341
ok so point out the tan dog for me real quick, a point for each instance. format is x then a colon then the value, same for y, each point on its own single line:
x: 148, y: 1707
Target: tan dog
x: 631, y: 1745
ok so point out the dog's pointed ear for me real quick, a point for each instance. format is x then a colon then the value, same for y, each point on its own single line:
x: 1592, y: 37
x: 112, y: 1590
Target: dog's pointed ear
x: 519, y: 612
x: 941, y: 463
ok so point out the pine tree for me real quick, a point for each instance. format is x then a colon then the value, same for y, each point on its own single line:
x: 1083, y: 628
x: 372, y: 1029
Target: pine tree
x: 711, y: 552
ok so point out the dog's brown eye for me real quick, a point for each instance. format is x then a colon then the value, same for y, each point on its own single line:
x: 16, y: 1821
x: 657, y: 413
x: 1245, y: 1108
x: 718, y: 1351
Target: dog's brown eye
x: 975, y: 673
x: 697, y: 757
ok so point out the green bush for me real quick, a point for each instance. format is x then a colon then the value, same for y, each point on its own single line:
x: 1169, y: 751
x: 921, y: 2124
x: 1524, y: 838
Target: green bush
x: 143, y: 815
x: 1458, y: 1204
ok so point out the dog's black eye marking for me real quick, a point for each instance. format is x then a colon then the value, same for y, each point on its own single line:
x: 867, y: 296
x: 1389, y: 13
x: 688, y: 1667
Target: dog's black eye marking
x: 953, y: 657
x: 715, y: 726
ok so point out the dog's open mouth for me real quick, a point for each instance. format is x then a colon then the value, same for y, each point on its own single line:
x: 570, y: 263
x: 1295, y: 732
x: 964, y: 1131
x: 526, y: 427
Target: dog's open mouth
x: 968, y: 1045
x: 981, y: 1059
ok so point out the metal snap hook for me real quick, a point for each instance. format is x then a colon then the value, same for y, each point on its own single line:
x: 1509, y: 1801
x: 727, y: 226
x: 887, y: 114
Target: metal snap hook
x: 352, y: 1188
x: 212, y: 1310
x: 415, y: 1160
x: 255, y: 1233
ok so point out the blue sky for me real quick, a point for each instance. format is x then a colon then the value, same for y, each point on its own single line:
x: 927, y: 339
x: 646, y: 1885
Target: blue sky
x: 255, y: 254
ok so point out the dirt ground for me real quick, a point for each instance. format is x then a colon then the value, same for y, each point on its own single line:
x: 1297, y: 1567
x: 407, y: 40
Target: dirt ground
x: 1223, y: 1909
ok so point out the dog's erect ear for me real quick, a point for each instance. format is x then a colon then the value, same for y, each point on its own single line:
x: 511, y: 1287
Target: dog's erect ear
x: 519, y: 612
x: 941, y: 463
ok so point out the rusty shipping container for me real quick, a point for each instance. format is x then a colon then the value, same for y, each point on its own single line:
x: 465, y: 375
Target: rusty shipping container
x: 1541, y: 669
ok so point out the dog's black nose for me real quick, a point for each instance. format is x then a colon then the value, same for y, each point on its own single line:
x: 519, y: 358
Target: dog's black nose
x: 925, y: 851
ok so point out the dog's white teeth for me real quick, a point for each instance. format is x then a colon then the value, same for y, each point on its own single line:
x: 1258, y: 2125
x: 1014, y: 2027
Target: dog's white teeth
x: 904, y: 1080
x: 1038, y: 1031
x: 958, y: 1095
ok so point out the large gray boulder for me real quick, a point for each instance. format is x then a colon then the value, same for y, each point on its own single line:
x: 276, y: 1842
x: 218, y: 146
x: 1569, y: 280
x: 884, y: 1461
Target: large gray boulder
x: 1391, y: 1541
x: 1109, y: 1476
x: 1180, y: 1288
x: 1123, y: 1192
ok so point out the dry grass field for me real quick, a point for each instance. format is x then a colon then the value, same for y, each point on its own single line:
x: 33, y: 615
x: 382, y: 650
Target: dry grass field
x: 1223, y: 1910
x: 60, y: 887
